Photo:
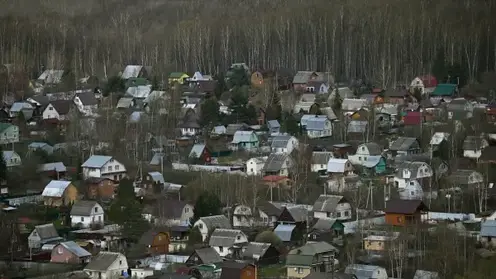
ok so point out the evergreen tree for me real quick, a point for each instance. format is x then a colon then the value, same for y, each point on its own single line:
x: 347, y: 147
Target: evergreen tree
x: 207, y: 204
x: 209, y: 112
x: 237, y: 77
x: 439, y: 69
x: 290, y: 125
x: 115, y: 84
x: 3, y: 166
x: 221, y: 86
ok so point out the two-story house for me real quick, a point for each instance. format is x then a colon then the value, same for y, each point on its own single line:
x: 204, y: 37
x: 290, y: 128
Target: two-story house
x: 209, y: 223
x: 86, y: 103
x: 104, y: 166
x: 242, y: 216
x: 169, y: 212
x: 302, y: 261
x: 85, y: 214
x: 409, y: 178
x: 227, y: 241
x: 245, y: 140
x: 319, y: 127
x: 8, y: 133
x: 136, y: 71
x: 43, y: 234
x: 319, y: 161
x: 278, y: 164
x: 155, y: 241
x: 362, y: 271
x: 369, y: 155
x: 404, y: 146
x: 107, y: 265
x: 473, y: 146
x: 255, y: 165
x: 58, y: 109
x: 69, y: 252
x: 11, y: 158
x: 332, y: 206
x: 336, y: 166
x: 284, y: 144
x: 59, y: 192
x: 100, y: 188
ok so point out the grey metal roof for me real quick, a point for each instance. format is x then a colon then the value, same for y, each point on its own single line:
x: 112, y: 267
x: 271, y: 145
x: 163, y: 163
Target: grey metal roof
x: 75, y: 249
x: 373, y: 148
x: 275, y: 162
x: 87, y: 98
x: 304, y: 118
x: 155, y: 95
x: 216, y: 221
x: 224, y: 237
x: 462, y: 177
x: 488, y: 228
x: 321, y: 157
x: 403, y: 144
x: 243, y: 136
x: 327, y: 203
x: 52, y: 76
x: 302, y: 77
x: 208, y: 255
x: 273, y: 124
x: 280, y: 141
x: 157, y: 177
x: 57, y: 166
x: 47, y: 232
x: 423, y: 274
x: 83, y: 208
x: 131, y: 71
x: 353, y: 104
x: 231, y: 129
x: 197, y: 150
x: 299, y: 213
x: 316, y: 124
x: 362, y: 271
x: 96, y: 161
x: 474, y: 143
x: 157, y: 159
x: 324, y: 224
x: 102, y: 261
x: 18, y: 106
x: 140, y: 91
x: 55, y: 188
x: 329, y: 112
x: 125, y: 102
x: 284, y: 231
x: 413, y: 167
x: 357, y: 126
x: 255, y: 248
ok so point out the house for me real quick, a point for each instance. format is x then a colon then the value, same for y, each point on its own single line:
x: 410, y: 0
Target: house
x: 155, y: 241
x: 320, y: 160
x: 473, y: 146
x: 107, y: 265
x: 332, y: 206
x: 199, y: 77
x: 261, y: 78
x: 51, y: 77
x: 296, y: 216
x: 18, y: 107
x: 125, y: 103
x: 444, y: 90
x: 410, y: 177
x: 426, y: 84
x: 349, y: 106
x: 209, y: 223
x: 8, y: 133
x: 357, y: 129
x: 369, y: 155
x: 459, y: 109
x: 286, y: 233
x: 304, y: 119
x: 274, y: 127
x: 362, y: 271
x: 339, y: 166
x: 69, y: 252
x: 85, y: 214
x: 437, y: 139
x: 136, y: 71
x: 43, y: 234
x: 379, y: 243
x: 58, y: 109
x: 245, y: 140
x: 255, y: 165
x: 404, y: 212
x: 466, y: 178
x: 206, y: 255
x: 100, y: 188
x: 404, y: 145
x: 305, y: 103
x: 200, y: 152
x: 268, y: 214
x: 386, y: 115
x: 86, y: 103
x: 219, y: 130
x: 326, y: 229
x: 55, y: 170
x: 139, y: 93
x: 242, y: 216
x: 305, y: 80
x: 318, y: 87
x: 190, y: 124
x: 424, y: 274
x: 103, y: 167
x: 236, y: 270
x: 284, y: 144
x: 40, y: 146
x: 317, y: 256
x: 277, y: 164
x: 395, y: 95
x: 227, y: 242
x: 318, y: 127
x: 177, y: 77
x: 169, y: 212
x: 488, y: 232
x: 261, y: 253
x: 11, y: 158
x: 59, y: 192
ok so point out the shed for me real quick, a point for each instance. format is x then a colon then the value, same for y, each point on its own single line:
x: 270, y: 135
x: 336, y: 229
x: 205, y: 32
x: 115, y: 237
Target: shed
x: 284, y: 232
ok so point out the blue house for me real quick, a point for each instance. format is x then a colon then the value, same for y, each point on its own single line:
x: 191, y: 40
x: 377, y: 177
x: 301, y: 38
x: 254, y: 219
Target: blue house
x: 273, y: 126
x: 246, y: 140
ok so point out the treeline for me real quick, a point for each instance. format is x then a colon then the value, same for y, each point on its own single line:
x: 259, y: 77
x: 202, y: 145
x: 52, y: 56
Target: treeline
x: 386, y: 41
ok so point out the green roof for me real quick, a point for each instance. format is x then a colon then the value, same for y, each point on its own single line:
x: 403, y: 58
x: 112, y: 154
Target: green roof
x: 4, y: 126
x: 176, y: 75
x: 444, y: 90
x: 303, y: 256
x: 136, y: 82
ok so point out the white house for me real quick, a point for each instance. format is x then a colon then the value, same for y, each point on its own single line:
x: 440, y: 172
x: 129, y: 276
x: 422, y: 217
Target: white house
x: 107, y: 265
x: 255, y: 165
x: 473, y: 146
x: 319, y: 127
x: 365, y: 152
x: 408, y: 179
x: 332, y: 206
x: 242, y: 216
x: 12, y: 159
x: 43, y: 234
x: 284, y: 144
x: 367, y: 271
x: 226, y: 241
x: 86, y: 213
x: 339, y: 166
x: 86, y: 103
x: 58, y: 109
x: 208, y: 223
x: 104, y: 167
x: 320, y: 160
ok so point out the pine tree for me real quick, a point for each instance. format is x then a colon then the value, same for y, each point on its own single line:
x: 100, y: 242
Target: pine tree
x: 3, y: 166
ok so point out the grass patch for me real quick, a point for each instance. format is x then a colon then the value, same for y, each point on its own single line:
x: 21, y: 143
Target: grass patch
x: 272, y: 271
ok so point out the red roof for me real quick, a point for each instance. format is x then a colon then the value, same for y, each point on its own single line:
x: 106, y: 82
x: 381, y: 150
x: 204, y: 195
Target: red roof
x: 412, y: 118
x: 429, y: 81
x: 274, y: 178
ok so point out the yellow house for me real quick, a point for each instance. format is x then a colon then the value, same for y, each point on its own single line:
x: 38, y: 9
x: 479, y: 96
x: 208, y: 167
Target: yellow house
x: 59, y: 192
x: 378, y: 243
x: 177, y: 77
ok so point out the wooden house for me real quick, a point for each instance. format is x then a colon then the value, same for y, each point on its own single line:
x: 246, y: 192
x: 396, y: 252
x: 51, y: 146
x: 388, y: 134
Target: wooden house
x: 59, y: 192
x: 404, y: 212
x: 156, y: 242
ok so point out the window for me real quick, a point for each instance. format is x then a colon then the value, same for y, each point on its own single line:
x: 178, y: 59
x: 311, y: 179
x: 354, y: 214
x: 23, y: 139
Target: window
x: 322, y: 166
x: 96, y: 209
x: 412, y: 183
x: 238, y: 237
x: 186, y: 209
x: 50, y: 108
x: 314, y: 236
x: 412, y: 193
x: 82, y: 219
x: 221, y: 249
x: 359, y: 158
x: 109, y: 168
x: 300, y: 270
x: 346, y: 213
x: 338, y: 214
x: 117, y: 167
x: 399, y: 219
x: 120, y: 262
x: 200, y: 226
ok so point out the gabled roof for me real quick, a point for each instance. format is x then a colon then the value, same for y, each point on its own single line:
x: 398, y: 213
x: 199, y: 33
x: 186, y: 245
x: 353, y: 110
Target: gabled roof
x: 96, y: 161
x: 256, y: 249
x: 171, y: 209
x: 337, y: 165
x: 231, y: 270
x: 18, y: 106
x: 362, y: 271
x: 157, y: 177
x: 438, y: 137
x: 197, y: 150
x: 412, y: 167
x: 124, y: 102
x: 327, y: 203
x: 224, y: 237
x: 47, y: 232
x: 5, y: 126
x: 403, y: 144
x: 374, y: 148
x: 474, y: 143
x: 177, y: 74
x: 269, y: 208
x: 353, y: 104
x: 51, y: 76
x: 87, y: 98
x: 62, y: 106
x: 299, y: 213
x: 324, y: 224
x: 304, y: 255
x: 280, y: 141
x: 321, y: 157
x: 131, y: 71
x: 148, y: 236
x: 72, y: 247
x: 275, y: 162
x: 284, y: 231
x: 423, y: 274
x: 243, y: 136
x: 302, y: 77
x: 102, y: 261
x: 273, y: 124
x: 208, y: 255
x: 55, y: 188
x: 488, y: 228
x: 464, y: 177
x: 57, y: 166
x: 83, y: 208
x: 216, y: 221
x: 357, y: 126
x: 404, y: 206
x: 7, y: 154
x: 316, y: 124
x: 444, y: 90
x: 141, y: 91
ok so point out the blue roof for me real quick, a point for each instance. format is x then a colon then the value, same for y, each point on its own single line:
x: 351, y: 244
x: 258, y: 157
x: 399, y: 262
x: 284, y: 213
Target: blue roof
x: 75, y: 249
x: 157, y: 177
x: 284, y: 232
x: 488, y: 228
x: 96, y: 161
x: 316, y: 124
x: 273, y: 124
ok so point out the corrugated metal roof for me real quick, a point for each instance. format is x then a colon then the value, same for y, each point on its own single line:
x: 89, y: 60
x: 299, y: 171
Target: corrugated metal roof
x: 131, y: 71
x: 403, y: 144
x: 125, y: 102
x: 302, y: 77
x: 356, y: 126
x: 256, y: 249
x: 55, y: 188
x: 273, y: 124
x: 321, y: 157
x: 474, y: 143
x: 316, y: 124
x: 438, y: 137
x: 141, y: 91
x: 362, y: 271
x: 57, y: 166
x: 96, y: 161
x: 47, y: 232
x: 83, y: 208
x: 75, y: 249
x: 275, y: 162
x: 197, y: 150
x: 304, y: 119
x: 337, y: 165
x: 8, y: 154
x: 327, y: 203
x: 243, y: 136
x: 353, y: 104
x: 488, y: 228
x: 224, y: 237
x: 51, y: 76
x: 157, y: 177
x: 18, y: 106
x: 216, y: 221
x: 102, y: 261
x: 284, y: 232
x: 154, y: 96
x: 208, y: 255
